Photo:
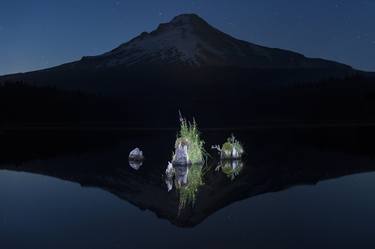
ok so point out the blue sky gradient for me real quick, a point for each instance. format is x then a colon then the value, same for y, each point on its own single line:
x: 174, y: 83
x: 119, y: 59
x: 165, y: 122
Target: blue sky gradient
x: 43, y: 33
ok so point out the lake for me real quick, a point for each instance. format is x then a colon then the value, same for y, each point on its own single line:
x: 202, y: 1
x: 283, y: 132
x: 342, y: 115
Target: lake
x: 297, y: 187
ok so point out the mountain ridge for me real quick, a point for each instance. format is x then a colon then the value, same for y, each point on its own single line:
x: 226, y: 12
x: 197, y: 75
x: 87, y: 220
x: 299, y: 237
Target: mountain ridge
x: 190, y: 40
x: 179, y: 74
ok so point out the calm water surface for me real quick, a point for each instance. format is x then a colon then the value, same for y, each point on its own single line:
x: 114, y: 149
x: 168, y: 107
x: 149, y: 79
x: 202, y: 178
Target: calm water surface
x: 296, y: 189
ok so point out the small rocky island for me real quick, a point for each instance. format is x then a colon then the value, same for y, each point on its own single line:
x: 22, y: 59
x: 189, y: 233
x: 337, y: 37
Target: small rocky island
x: 185, y: 171
x: 136, y: 155
x: 136, y: 158
x: 232, y: 149
x: 188, y: 146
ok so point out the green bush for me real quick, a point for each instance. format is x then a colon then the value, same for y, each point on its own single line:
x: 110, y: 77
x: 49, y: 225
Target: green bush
x: 190, y: 136
x: 229, y: 147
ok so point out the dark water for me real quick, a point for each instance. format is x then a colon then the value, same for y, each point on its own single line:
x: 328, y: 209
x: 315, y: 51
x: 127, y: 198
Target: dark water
x: 296, y: 188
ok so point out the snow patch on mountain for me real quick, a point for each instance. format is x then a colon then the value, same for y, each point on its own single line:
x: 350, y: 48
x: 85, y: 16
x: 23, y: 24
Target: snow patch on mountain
x: 170, y: 44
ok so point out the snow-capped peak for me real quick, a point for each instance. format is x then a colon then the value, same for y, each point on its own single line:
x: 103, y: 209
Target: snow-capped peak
x: 189, y: 40
x: 173, y: 42
x: 187, y: 19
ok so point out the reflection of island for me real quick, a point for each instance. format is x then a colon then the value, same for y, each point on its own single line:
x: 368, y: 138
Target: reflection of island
x: 146, y: 188
x: 187, y: 179
x: 275, y: 163
x: 231, y: 168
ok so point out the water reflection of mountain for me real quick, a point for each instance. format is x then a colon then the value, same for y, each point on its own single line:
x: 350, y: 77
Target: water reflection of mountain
x: 268, y: 168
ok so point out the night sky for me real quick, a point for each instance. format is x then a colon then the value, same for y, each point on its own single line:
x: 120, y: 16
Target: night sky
x: 42, y: 33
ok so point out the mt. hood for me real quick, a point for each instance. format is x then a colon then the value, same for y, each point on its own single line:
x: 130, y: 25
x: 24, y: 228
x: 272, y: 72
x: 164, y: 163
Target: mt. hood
x: 185, y: 51
x: 189, y: 40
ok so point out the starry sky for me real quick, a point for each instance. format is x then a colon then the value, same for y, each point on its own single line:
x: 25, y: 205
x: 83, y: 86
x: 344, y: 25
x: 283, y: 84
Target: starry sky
x: 43, y: 33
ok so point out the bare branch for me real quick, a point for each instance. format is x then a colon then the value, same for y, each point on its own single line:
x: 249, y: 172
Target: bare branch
x: 217, y: 147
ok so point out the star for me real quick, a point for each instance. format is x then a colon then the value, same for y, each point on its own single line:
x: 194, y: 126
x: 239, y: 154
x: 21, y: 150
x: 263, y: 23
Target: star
x: 339, y: 4
x: 195, y: 5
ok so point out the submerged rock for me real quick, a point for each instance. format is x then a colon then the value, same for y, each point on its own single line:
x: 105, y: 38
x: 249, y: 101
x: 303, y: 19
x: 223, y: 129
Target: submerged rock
x: 136, y: 155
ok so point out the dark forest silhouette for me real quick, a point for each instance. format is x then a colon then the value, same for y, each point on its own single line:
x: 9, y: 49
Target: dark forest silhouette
x: 334, y: 100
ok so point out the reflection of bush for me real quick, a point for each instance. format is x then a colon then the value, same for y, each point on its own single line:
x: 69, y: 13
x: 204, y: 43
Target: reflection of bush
x: 188, y: 192
x: 231, y: 168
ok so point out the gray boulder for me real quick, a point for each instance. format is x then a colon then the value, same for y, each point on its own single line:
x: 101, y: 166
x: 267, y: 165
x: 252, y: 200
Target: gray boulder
x: 136, y: 155
x: 181, y: 156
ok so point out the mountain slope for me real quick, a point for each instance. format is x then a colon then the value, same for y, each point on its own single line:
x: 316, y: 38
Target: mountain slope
x: 187, y: 43
x: 189, y: 40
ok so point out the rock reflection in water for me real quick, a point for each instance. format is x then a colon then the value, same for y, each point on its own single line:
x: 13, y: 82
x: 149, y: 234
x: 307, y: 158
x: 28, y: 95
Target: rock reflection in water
x: 181, y: 176
x: 231, y: 168
x: 135, y: 164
